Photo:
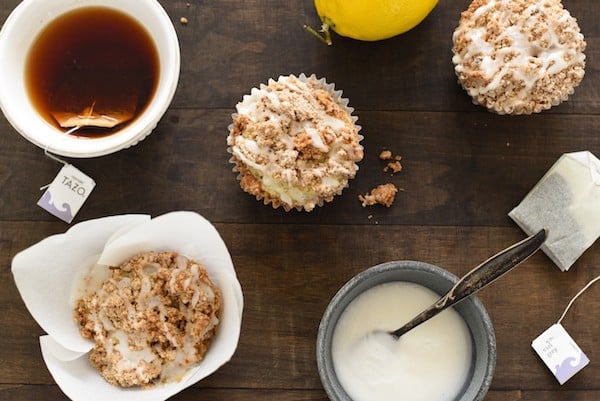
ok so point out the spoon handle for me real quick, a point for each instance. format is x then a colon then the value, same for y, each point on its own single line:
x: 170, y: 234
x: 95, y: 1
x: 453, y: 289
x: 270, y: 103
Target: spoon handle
x: 482, y: 275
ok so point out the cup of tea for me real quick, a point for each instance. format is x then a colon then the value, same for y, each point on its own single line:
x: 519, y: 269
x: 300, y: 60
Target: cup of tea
x: 86, y: 78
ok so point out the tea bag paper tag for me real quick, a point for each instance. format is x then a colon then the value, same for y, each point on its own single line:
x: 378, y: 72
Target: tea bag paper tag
x: 67, y: 193
x: 560, y: 353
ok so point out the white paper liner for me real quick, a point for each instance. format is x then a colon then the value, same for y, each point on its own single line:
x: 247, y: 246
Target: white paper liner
x: 320, y: 83
x: 49, y: 272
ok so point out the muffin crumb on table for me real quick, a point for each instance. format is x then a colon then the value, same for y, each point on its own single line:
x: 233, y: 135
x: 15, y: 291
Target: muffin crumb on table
x: 393, y: 162
x: 385, y: 154
x: 394, y: 167
x: 383, y: 194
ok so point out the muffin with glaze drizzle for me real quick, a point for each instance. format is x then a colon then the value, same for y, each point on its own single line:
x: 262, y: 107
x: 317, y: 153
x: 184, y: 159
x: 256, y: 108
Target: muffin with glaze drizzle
x: 151, y: 319
x: 518, y: 56
x: 294, y: 142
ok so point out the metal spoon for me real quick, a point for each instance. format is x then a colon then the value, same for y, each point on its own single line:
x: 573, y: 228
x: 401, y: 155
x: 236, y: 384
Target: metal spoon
x: 479, y: 277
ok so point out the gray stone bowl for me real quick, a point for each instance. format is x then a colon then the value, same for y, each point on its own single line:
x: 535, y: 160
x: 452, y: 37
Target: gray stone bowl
x: 438, y: 280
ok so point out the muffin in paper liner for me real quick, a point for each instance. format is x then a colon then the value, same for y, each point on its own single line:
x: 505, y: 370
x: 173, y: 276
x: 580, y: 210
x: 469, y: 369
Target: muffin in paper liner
x: 518, y: 56
x: 50, y: 277
x: 294, y: 142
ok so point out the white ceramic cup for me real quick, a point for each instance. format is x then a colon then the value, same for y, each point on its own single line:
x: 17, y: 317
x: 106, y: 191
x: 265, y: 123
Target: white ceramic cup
x: 19, y: 32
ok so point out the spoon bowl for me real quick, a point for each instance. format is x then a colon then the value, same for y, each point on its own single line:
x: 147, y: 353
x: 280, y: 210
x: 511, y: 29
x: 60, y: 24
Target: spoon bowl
x: 435, y: 278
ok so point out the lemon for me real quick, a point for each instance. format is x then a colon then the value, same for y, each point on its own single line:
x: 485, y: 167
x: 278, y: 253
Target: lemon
x: 372, y: 20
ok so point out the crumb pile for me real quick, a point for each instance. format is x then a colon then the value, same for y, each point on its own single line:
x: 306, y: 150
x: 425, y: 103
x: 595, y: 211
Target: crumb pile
x: 383, y: 194
x: 151, y: 319
x: 294, y: 144
x: 393, y: 162
x: 518, y: 56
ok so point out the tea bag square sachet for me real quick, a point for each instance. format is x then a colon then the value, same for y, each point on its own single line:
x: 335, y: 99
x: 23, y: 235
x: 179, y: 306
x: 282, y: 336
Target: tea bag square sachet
x: 567, y: 201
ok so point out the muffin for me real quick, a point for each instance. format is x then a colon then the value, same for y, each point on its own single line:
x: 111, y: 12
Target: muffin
x: 152, y: 319
x: 518, y: 56
x: 102, y: 254
x: 294, y: 143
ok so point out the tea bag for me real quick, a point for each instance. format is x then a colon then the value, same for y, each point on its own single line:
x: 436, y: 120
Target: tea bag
x: 89, y: 117
x: 567, y: 201
x: 91, y: 102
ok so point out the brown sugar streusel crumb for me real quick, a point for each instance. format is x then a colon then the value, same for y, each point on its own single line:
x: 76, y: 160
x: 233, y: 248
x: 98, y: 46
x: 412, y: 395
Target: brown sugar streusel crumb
x: 393, y: 162
x: 394, y: 167
x: 384, y: 194
x: 152, y: 319
x: 385, y: 155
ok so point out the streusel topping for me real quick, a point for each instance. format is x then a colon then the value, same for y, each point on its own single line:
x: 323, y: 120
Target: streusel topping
x: 293, y: 144
x: 383, y: 194
x: 518, y: 56
x: 153, y: 318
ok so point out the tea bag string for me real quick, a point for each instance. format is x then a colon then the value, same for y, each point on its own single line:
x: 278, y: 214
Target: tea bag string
x: 54, y: 157
x: 588, y: 285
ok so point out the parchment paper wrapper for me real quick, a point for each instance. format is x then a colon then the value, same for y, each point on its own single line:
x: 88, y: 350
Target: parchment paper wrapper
x: 273, y: 199
x: 567, y: 201
x: 49, y: 276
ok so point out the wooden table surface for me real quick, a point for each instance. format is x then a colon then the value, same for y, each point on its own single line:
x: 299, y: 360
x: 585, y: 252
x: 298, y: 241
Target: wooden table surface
x: 464, y: 169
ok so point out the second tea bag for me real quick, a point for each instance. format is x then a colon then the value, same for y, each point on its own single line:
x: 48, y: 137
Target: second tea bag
x: 567, y: 202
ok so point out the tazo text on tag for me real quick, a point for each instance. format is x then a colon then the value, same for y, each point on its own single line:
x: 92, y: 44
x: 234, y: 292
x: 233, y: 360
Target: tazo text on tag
x: 66, y: 194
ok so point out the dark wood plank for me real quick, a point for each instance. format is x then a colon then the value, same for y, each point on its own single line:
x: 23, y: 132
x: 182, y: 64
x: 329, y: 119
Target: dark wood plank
x: 264, y: 39
x: 42, y: 392
x: 227, y: 49
x: 453, y: 165
x: 288, y: 282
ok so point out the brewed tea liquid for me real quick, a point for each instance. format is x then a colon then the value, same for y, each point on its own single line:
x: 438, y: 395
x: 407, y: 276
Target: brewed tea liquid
x: 92, y: 57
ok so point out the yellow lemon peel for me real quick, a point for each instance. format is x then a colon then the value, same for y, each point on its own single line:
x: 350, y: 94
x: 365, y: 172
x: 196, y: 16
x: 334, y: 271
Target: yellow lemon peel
x: 369, y: 20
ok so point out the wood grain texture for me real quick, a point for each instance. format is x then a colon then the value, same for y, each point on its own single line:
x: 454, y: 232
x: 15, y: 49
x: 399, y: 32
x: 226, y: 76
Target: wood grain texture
x: 463, y: 170
x: 453, y: 164
x: 29, y: 392
x: 288, y: 282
